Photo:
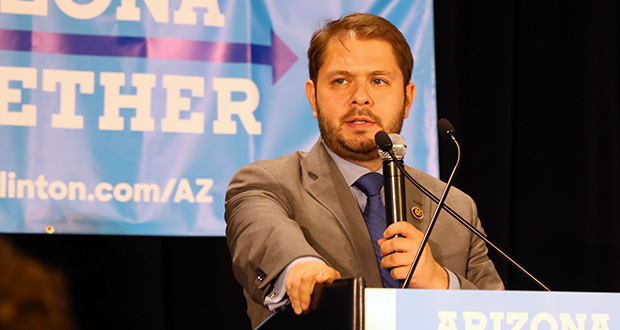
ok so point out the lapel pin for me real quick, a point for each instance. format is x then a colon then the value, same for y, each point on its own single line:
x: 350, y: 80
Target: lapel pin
x: 417, y: 213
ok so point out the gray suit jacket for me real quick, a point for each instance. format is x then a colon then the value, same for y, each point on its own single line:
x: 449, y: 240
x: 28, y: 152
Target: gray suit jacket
x: 300, y: 205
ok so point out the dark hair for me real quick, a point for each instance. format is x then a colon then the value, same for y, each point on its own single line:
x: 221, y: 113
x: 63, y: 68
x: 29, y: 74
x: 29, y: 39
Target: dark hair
x: 363, y: 27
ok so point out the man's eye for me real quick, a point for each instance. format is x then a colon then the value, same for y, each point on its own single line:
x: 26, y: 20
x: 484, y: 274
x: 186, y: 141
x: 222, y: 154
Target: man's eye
x: 339, y: 81
x: 378, y: 82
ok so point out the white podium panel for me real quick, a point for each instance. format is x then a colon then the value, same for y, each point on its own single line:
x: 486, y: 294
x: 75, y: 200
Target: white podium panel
x: 397, y: 309
x: 380, y: 309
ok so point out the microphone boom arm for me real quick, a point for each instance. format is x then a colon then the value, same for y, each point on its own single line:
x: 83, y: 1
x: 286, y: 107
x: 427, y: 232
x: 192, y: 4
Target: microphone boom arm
x: 461, y: 220
x: 440, y: 205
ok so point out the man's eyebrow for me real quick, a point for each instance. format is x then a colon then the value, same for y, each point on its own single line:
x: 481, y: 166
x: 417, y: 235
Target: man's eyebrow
x: 339, y: 73
x: 381, y: 73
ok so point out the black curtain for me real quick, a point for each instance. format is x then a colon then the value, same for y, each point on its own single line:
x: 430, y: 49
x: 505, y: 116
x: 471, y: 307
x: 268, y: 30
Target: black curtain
x: 532, y: 89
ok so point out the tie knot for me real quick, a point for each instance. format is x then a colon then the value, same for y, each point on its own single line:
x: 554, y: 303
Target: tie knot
x: 370, y: 183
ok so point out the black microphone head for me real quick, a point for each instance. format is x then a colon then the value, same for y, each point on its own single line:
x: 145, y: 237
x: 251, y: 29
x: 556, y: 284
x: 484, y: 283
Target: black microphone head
x: 445, y: 128
x: 383, y: 141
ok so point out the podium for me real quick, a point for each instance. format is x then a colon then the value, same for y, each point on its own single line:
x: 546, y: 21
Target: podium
x: 346, y: 304
x: 339, y: 305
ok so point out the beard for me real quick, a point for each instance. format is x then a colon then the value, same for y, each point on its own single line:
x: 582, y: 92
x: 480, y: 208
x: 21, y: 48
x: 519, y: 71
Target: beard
x: 360, y: 147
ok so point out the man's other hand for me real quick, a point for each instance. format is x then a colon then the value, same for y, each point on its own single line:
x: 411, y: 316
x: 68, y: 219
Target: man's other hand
x: 301, y: 279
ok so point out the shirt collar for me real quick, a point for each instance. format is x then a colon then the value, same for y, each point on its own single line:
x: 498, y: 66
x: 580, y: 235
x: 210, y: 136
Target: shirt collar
x: 350, y: 171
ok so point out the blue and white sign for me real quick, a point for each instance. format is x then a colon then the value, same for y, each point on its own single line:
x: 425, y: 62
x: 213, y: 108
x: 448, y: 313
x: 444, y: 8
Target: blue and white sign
x: 397, y: 309
x: 130, y: 116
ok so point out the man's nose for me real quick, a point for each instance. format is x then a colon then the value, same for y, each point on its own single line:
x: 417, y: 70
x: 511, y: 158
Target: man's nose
x: 361, y: 97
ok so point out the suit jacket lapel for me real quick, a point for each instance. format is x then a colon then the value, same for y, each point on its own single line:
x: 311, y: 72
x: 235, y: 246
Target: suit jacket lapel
x: 324, y: 182
x: 444, y: 227
x: 416, y: 199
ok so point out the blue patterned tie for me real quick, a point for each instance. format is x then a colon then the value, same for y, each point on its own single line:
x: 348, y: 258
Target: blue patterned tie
x: 374, y: 215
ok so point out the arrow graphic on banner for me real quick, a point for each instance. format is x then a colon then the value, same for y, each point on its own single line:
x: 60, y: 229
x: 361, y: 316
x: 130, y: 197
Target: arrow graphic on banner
x: 278, y: 55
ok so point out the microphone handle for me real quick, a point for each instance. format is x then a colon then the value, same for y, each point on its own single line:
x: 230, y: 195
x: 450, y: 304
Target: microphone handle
x: 396, y: 209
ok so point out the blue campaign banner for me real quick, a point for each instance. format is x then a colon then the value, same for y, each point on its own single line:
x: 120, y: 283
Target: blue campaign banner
x: 130, y: 117
x: 397, y: 309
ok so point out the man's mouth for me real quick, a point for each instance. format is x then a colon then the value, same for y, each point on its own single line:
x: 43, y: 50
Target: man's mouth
x: 362, y: 124
x: 359, y: 120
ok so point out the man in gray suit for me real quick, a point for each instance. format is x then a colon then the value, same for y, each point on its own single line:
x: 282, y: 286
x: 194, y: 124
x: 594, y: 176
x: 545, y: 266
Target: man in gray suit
x: 298, y: 220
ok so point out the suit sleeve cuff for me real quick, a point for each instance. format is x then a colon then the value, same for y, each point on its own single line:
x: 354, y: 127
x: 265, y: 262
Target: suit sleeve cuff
x: 455, y: 283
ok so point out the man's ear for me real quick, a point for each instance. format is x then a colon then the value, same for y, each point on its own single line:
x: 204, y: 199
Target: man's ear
x: 311, y: 95
x: 409, y: 96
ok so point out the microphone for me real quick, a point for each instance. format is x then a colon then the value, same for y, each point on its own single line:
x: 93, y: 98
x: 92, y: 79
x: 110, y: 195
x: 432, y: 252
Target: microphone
x: 395, y: 206
x: 446, y: 129
x: 384, y: 142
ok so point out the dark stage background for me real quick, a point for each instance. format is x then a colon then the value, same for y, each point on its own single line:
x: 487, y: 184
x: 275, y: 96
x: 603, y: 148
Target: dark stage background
x: 532, y: 89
